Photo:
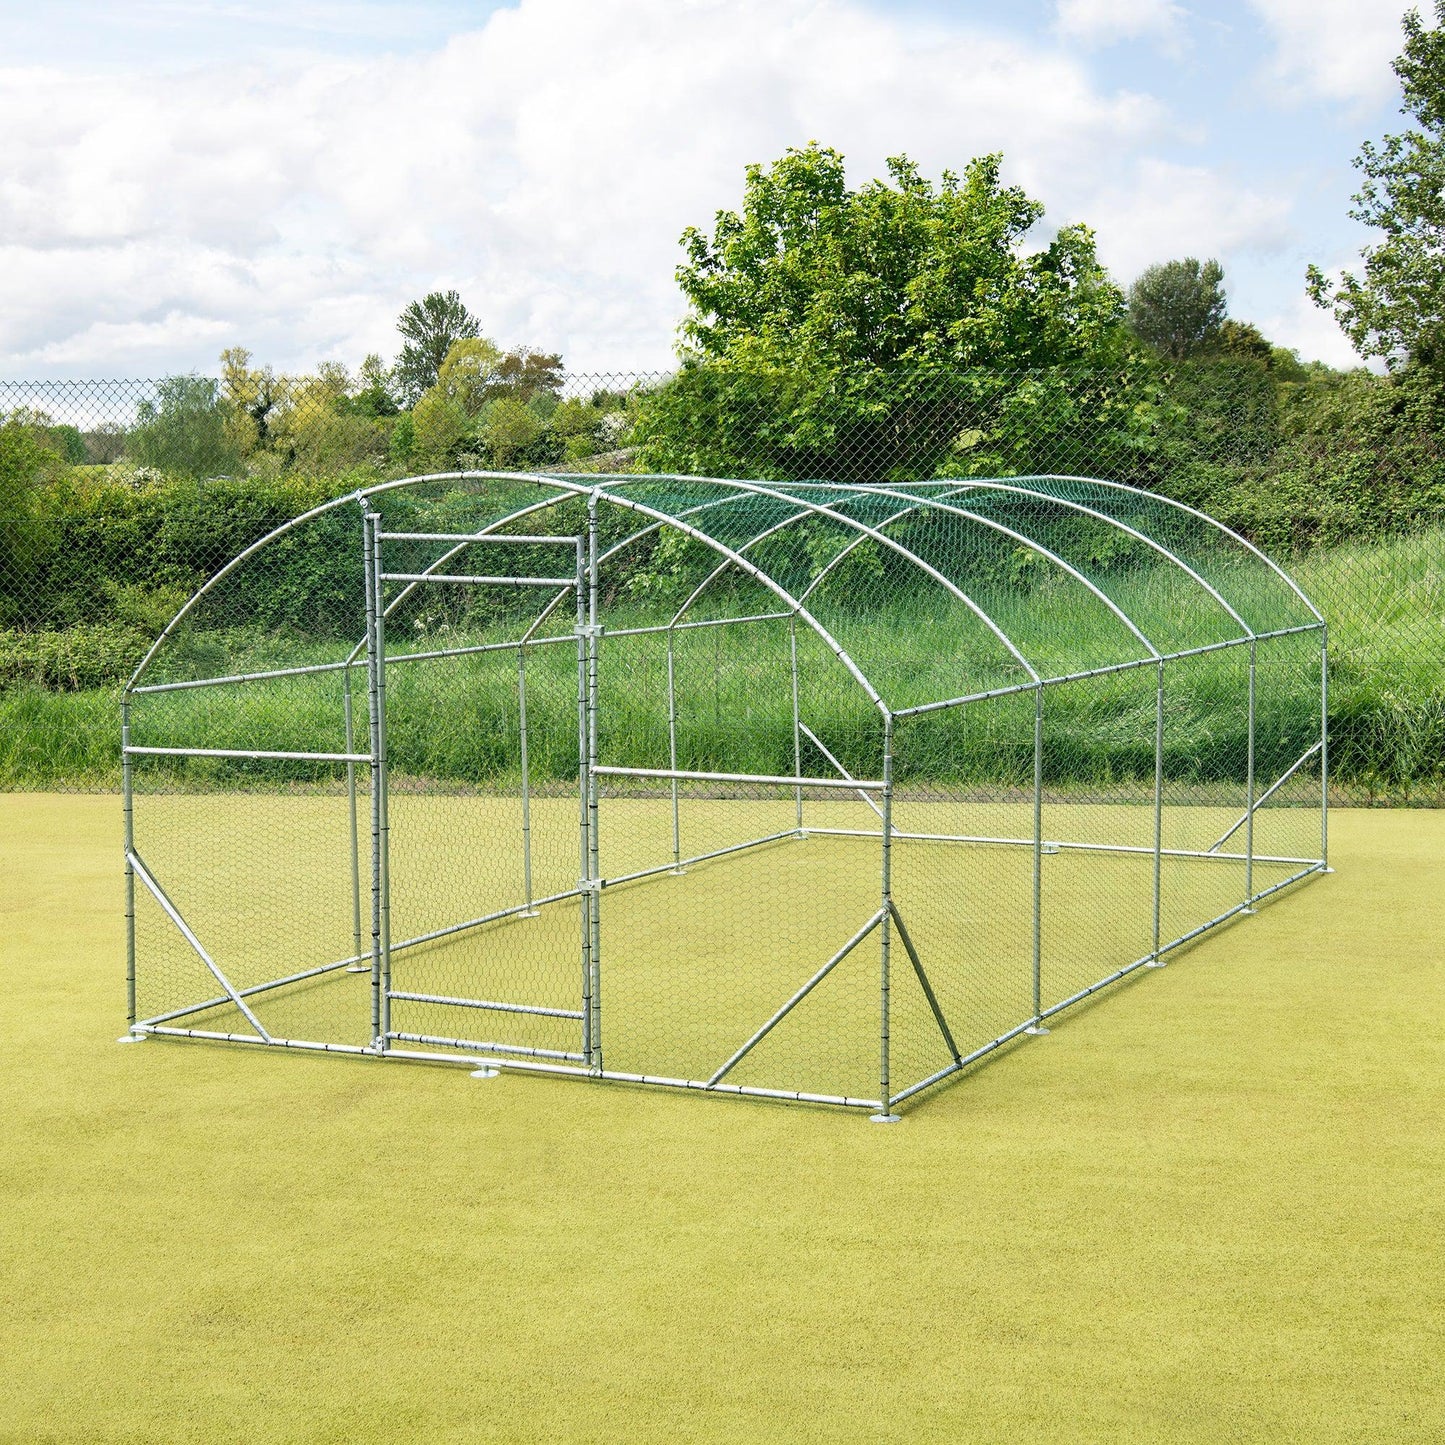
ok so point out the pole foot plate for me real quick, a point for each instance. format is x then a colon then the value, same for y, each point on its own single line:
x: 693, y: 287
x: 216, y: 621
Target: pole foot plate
x: 131, y: 1039
x: 1036, y: 1029
x: 1157, y: 963
x: 485, y: 1071
x: 884, y: 1118
x: 358, y: 968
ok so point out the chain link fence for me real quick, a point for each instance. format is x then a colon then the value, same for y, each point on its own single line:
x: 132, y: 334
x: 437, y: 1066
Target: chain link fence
x: 119, y: 498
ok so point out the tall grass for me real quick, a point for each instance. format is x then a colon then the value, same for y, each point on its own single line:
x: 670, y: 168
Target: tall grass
x: 457, y: 720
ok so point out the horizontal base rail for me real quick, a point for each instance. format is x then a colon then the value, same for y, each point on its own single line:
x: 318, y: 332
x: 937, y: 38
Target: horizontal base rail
x: 446, y: 1001
x: 1103, y: 983
x: 771, y: 780
x: 477, y: 1047
x: 520, y: 1065
x: 1050, y: 845
x: 671, y: 867
x: 255, y: 988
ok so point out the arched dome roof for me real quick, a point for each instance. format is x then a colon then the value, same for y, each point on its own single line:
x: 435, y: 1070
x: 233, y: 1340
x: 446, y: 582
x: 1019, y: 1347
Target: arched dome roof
x: 1019, y: 580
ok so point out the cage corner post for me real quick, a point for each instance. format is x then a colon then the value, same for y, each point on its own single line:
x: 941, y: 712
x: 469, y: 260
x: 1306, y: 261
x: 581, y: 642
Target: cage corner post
x: 594, y: 876
x: 1038, y: 1026
x: 128, y: 811
x: 885, y: 1114
x: 1249, y: 785
x: 376, y: 712
x: 1325, y: 749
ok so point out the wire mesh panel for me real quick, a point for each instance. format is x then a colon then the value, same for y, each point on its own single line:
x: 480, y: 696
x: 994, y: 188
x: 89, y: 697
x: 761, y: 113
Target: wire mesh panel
x: 814, y: 791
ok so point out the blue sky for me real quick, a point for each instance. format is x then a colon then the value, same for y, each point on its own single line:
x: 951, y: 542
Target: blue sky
x: 179, y: 177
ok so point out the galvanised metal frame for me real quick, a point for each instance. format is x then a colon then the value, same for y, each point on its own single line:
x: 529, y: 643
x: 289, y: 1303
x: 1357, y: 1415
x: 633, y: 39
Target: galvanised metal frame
x: 582, y: 583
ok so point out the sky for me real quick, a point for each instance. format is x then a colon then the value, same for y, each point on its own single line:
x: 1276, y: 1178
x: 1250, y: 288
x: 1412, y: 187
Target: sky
x: 181, y: 176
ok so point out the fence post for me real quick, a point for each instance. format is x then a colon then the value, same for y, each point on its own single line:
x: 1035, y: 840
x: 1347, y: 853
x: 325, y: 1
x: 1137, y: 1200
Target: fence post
x: 1038, y: 1026
x: 885, y: 1114
x: 672, y: 745
x: 380, y: 962
x: 530, y: 912
x: 1154, y: 960
x: 1325, y: 749
x: 128, y: 808
x: 584, y: 793
x: 357, y: 966
x: 797, y: 718
x: 1249, y: 792
x: 594, y: 875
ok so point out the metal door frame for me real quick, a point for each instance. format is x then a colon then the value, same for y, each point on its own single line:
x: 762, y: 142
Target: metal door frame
x: 582, y: 583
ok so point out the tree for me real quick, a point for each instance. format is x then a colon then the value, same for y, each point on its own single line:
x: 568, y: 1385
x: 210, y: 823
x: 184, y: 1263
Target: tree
x: 183, y: 431
x: 1177, y: 307
x: 471, y: 372
x: 430, y: 326
x: 252, y: 394
x: 854, y: 333
x: 1396, y: 308
x: 26, y: 466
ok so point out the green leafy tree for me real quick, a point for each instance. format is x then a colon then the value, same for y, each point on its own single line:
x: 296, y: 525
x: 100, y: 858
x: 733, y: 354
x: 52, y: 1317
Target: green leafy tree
x: 1395, y: 308
x: 857, y: 333
x: 375, y: 394
x: 429, y: 327
x: 1178, y: 307
x: 184, y: 431
x: 509, y: 429
x: 526, y: 374
x: 471, y: 373
x: 252, y: 395
x: 438, y: 425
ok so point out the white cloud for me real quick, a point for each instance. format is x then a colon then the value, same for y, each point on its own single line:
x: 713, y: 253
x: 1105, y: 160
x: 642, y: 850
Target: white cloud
x: 1101, y: 22
x: 1160, y: 211
x: 544, y: 164
x: 1336, y: 49
x: 1312, y: 330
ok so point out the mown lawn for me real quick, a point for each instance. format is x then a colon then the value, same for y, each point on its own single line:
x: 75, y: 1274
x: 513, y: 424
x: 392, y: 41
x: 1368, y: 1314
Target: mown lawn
x: 1208, y: 1208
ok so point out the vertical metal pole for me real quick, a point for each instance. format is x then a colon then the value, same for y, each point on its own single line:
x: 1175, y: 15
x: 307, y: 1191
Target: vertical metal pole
x: 797, y: 720
x: 1249, y: 790
x: 672, y: 748
x: 1037, y: 1027
x: 1155, y: 961
x: 526, y: 782
x: 351, y: 804
x: 594, y: 874
x: 382, y: 787
x: 373, y: 713
x: 584, y: 790
x: 1325, y: 748
x: 128, y: 806
x: 885, y: 1114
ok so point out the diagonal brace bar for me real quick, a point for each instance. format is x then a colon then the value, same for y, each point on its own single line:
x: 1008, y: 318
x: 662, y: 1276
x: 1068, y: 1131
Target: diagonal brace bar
x: 173, y: 913
x: 798, y: 997
x: 928, y: 993
x: 817, y: 742
x: 1269, y: 792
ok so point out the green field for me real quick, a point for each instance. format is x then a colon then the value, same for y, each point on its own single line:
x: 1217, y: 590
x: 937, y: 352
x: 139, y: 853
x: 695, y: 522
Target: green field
x: 1207, y: 1209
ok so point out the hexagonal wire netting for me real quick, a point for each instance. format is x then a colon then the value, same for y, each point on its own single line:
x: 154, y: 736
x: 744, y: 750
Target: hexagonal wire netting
x: 811, y: 791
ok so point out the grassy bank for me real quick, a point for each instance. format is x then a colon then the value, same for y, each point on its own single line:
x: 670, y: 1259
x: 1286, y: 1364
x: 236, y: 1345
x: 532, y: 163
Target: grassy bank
x: 458, y: 720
